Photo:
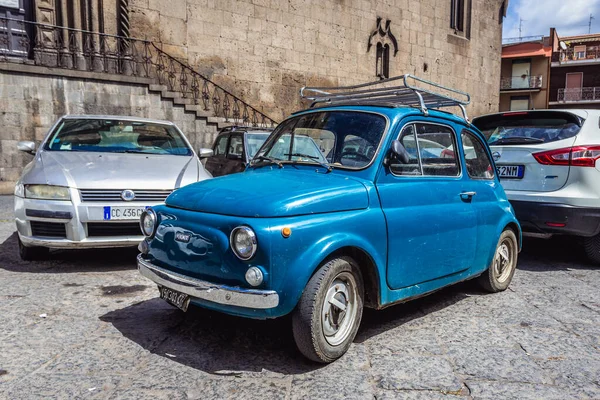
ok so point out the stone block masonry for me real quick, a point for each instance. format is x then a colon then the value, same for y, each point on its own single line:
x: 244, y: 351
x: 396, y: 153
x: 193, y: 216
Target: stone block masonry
x: 264, y: 51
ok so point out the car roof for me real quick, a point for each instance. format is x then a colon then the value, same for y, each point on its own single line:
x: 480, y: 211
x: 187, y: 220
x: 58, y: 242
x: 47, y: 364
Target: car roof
x: 118, y: 118
x: 581, y: 112
x: 388, y: 111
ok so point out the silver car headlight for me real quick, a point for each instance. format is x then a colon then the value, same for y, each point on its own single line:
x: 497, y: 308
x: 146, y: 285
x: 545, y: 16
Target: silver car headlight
x: 19, y: 190
x: 47, y: 192
x: 148, y: 222
x: 243, y: 242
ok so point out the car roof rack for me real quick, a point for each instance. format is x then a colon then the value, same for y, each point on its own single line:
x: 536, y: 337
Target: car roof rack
x: 411, y: 92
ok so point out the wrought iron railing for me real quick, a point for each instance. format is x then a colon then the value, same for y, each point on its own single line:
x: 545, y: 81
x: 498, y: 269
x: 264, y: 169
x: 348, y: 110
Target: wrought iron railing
x: 591, y: 54
x: 522, y: 39
x: 60, y: 47
x: 521, y: 82
x: 578, y: 94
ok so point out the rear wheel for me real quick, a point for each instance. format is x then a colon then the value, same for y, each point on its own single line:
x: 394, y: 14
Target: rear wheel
x: 32, y: 253
x: 592, y: 248
x: 328, y: 314
x: 500, y: 273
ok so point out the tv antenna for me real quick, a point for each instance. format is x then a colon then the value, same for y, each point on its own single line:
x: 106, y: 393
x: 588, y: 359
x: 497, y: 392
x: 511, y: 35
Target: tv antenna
x: 590, y: 24
x: 521, y: 28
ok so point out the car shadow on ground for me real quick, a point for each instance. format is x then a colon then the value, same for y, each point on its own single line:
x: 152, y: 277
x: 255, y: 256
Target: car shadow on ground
x: 559, y: 253
x: 226, y: 345
x: 61, y: 261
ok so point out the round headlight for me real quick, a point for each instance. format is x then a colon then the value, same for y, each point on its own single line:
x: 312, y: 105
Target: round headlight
x: 254, y: 276
x: 243, y: 242
x: 148, y: 222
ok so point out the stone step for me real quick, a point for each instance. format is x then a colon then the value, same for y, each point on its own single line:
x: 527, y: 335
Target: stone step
x: 183, y: 101
x: 157, y: 88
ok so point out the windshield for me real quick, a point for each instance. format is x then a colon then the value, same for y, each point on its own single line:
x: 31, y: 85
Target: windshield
x: 117, y: 136
x: 346, y: 139
x: 527, y: 128
x: 254, y: 141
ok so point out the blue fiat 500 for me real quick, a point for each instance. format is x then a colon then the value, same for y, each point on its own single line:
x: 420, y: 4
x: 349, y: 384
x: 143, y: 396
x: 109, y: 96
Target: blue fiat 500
x: 370, y: 197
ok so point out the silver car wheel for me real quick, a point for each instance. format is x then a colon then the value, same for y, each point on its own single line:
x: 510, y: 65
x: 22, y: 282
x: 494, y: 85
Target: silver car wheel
x: 339, y: 309
x: 503, y: 264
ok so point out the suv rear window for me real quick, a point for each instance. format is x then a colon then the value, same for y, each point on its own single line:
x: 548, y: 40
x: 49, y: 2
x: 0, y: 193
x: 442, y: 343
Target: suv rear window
x: 528, y: 127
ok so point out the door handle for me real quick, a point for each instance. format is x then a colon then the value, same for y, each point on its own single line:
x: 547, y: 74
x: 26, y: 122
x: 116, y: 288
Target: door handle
x: 467, y: 195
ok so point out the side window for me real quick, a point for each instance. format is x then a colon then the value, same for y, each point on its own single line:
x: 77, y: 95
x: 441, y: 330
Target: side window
x: 221, y: 146
x: 236, y: 147
x: 479, y: 165
x: 407, y: 138
x: 436, y: 144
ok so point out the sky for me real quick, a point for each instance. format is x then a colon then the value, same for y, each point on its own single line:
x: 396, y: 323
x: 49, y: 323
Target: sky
x: 569, y: 17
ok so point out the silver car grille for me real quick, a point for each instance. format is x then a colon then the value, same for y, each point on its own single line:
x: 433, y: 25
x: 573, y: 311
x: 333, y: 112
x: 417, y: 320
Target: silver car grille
x: 102, y: 195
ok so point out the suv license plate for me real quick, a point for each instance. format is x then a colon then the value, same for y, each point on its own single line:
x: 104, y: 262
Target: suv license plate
x: 174, y: 298
x: 510, y: 171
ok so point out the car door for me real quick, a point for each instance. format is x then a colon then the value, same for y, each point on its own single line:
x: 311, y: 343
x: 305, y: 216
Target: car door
x: 215, y: 164
x: 431, y: 225
x: 235, y: 160
x: 486, y: 191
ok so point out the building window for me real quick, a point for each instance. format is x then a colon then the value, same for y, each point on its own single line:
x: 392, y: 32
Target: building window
x: 460, y: 17
x: 383, y: 61
x: 518, y: 103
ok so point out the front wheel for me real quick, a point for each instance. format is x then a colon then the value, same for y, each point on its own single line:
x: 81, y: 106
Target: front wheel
x: 32, y: 253
x: 500, y: 273
x: 328, y: 314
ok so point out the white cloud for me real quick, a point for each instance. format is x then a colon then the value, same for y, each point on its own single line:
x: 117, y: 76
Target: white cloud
x: 569, y: 17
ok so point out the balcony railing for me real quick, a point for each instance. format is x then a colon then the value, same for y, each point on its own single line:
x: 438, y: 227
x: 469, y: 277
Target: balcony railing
x: 521, y: 82
x: 591, y: 54
x: 60, y: 47
x: 578, y: 95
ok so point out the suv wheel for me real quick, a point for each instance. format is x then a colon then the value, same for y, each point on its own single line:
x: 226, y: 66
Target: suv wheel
x: 32, y: 253
x: 592, y: 248
x: 500, y: 273
x: 328, y: 314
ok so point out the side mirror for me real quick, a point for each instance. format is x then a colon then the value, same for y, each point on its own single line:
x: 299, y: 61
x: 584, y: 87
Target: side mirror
x: 398, y: 152
x: 205, y: 153
x: 27, y: 147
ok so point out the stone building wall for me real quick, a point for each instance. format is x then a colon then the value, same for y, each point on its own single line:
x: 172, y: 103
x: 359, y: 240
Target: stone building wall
x: 265, y: 50
x: 30, y: 104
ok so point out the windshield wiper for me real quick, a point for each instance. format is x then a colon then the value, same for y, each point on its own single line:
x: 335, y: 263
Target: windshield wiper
x: 328, y: 167
x: 269, y: 159
x: 517, y: 140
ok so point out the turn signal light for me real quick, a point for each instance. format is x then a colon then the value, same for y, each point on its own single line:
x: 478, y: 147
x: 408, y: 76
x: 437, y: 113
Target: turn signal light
x: 579, y: 156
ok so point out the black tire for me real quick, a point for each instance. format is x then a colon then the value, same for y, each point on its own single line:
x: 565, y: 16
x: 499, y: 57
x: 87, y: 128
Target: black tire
x: 310, y: 326
x: 32, y: 253
x: 498, y: 276
x: 592, y: 248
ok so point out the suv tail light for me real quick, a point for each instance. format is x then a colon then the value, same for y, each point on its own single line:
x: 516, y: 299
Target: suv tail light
x: 580, y: 156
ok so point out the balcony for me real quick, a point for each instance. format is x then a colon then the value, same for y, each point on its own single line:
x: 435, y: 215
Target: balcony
x: 579, y: 95
x: 579, y: 55
x: 523, y: 82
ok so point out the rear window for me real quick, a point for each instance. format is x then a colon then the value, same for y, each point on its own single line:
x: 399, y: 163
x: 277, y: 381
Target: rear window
x: 528, y: 127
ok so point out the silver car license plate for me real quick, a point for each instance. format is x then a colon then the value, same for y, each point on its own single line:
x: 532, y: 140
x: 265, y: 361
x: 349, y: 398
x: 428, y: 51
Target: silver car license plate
x: 122, y: 213
x: 510, y: 171
x: 174, y: 298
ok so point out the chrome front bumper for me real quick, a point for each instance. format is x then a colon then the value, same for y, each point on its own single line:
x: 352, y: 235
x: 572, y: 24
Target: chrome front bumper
x: 198, y: 289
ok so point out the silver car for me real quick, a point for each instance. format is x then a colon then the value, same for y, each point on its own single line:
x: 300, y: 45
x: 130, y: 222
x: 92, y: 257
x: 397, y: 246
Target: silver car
x: 93, y: 176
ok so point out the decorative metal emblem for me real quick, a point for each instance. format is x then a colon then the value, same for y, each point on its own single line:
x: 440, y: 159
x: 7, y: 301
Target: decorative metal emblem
x: 128, y: 195
x: 182, y: 237
x: 496, y: 155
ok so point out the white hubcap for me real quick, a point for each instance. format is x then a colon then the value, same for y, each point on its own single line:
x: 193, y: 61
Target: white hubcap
x: 339, y: 309
x: 502, y: 261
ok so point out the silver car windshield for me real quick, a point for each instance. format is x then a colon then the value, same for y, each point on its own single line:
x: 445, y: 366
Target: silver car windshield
x: 117, y: 136
x: 340, y: 139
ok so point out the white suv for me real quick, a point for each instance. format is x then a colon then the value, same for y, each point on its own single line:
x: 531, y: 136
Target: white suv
x: 548, y: 163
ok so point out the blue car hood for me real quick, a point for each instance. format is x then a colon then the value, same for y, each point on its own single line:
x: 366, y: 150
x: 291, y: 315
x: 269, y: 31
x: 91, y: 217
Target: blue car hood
x: 272, y: 192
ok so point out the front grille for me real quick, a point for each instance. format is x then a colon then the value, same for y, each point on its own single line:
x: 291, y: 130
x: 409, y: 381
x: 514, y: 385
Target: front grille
x: 104, y: 195
x: 48, y: 229
x: 114, y: 229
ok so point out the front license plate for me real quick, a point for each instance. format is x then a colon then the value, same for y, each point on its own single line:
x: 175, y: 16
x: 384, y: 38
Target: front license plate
x: 121, y: 213
x: 174, y: 298
x: 510, y: 171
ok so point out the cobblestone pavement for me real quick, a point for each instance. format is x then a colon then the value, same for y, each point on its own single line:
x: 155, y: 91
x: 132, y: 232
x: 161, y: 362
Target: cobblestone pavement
x: 106, y: 335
